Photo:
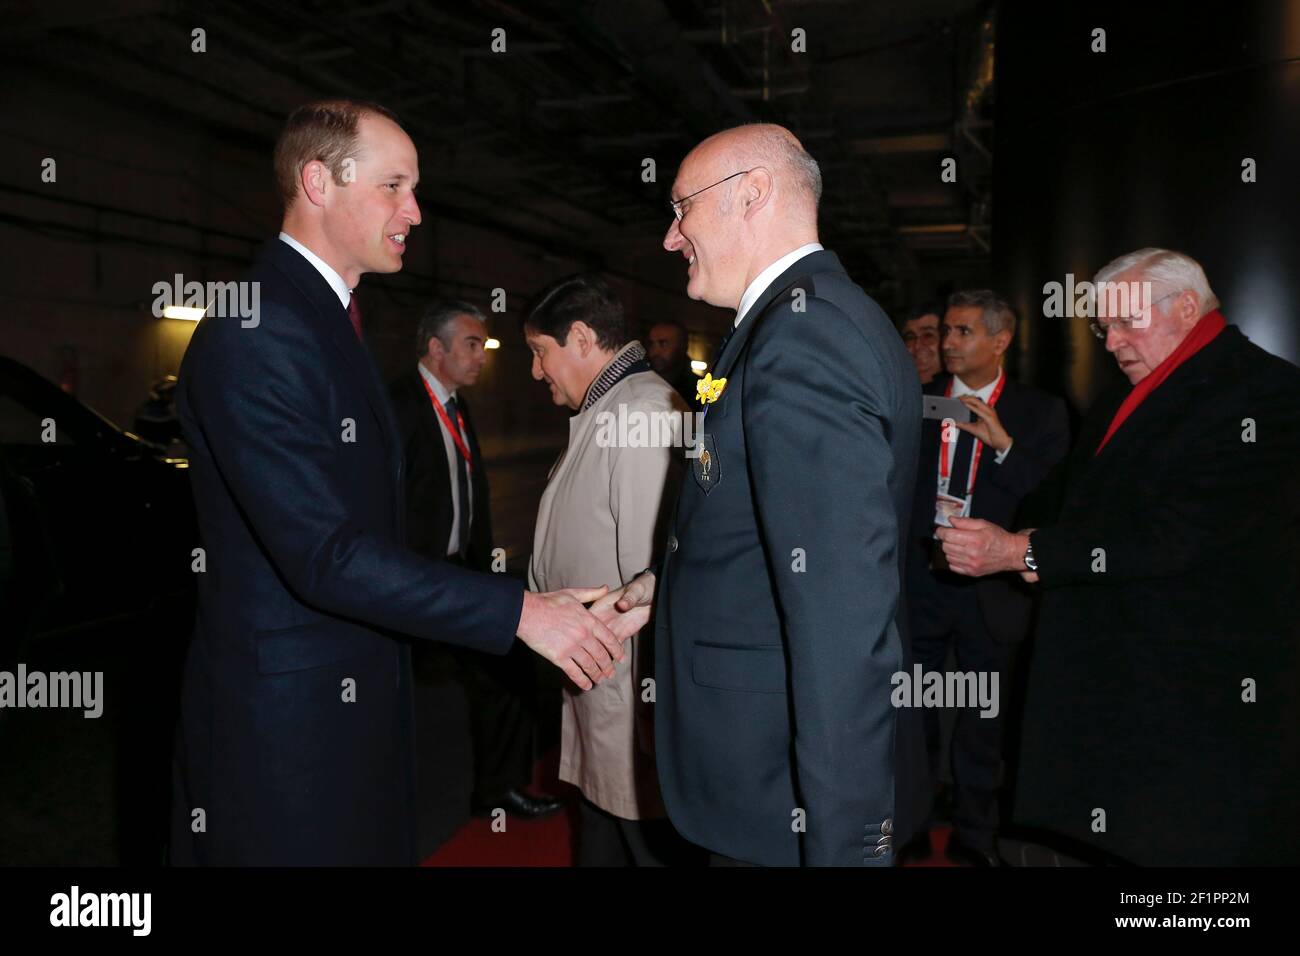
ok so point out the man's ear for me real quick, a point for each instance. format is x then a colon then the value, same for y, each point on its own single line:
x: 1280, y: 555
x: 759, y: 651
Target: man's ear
x: 315, y: 180
x: 584, y: 339
x: 434, y: 349
x: 756, y: 190
x: 1001, y: 342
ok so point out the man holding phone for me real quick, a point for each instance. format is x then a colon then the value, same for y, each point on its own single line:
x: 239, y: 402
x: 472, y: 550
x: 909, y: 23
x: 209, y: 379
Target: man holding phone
x: 987, y: 441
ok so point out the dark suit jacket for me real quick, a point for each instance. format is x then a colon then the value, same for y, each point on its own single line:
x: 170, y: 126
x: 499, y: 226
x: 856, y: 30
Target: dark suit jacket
x: 779, y: 617
x: 1040, y: 430
x: 1135, y: 691
x: 428, y: 476
x: 297, y: 475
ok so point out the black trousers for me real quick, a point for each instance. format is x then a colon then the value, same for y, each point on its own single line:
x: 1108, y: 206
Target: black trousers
x: 502, y: 707
x: 607, y: 840
x: 945, y: 613
x: 502, y: 718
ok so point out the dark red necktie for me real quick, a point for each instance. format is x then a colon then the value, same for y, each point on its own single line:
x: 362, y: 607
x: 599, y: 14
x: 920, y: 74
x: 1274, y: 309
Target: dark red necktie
x: 354, y: 316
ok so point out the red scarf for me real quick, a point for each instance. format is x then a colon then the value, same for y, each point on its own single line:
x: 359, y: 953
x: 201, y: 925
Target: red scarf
x: 1202, y: 334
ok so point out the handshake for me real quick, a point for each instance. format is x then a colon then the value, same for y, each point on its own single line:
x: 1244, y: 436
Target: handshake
x: 585, y: 642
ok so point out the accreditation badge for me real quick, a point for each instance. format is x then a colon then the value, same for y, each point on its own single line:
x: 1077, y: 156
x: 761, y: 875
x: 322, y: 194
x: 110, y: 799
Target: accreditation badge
x: 947, y: 507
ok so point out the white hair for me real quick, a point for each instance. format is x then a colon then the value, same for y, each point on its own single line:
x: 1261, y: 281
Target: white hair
x: 777, y: 149
x: 805, y: 169
x: 1171, y: 271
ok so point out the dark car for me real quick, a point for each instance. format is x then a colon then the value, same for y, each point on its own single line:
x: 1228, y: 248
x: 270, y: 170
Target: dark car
x: 95, y: 525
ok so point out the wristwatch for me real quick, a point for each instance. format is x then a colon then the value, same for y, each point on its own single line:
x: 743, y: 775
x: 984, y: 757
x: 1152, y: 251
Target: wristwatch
x: 1030, y: 561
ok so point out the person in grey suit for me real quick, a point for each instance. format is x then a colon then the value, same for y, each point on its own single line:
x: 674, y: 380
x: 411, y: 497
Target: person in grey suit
x: 779, y: 612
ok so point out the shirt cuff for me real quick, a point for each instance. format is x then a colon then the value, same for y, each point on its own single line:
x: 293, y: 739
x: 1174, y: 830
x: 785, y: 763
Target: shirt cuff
x: 1001, y: 456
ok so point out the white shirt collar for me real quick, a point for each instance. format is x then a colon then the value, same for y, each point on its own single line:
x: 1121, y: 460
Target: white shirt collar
x: 438, y: 388
x: 333, y: 278
x: 960, y: 388
x: 768, y: 276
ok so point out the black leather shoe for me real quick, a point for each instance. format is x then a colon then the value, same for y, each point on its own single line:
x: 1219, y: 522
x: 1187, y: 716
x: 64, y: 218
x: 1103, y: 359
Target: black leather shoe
x: 963, y: 855
x: 516, y: 803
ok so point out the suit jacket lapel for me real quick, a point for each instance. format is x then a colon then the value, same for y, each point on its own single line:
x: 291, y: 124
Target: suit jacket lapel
x: 332, y: 320
x: 365, y: 374
x: 1171, y: 399
x: 822, y: 261
x: 432, y: 429
x: 471, y: 437
x: 1174, y: 396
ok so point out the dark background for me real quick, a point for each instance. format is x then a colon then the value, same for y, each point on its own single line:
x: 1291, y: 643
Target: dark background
x: 1099, y: 154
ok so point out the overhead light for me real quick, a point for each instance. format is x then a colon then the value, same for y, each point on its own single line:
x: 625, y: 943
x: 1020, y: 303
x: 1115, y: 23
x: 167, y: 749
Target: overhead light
x: 698, y: 366
x: 492, y: 344
x: 185, y: 312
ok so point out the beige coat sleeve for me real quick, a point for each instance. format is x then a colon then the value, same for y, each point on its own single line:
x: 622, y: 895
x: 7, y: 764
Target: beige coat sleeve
x: 643, y: 490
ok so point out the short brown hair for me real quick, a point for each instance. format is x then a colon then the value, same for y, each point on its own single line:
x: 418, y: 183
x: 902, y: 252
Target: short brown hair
x: 326, y: 130
x: 994, y: 311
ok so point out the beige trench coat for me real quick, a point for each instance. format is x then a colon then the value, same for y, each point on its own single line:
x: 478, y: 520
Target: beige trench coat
x: 601, y: 521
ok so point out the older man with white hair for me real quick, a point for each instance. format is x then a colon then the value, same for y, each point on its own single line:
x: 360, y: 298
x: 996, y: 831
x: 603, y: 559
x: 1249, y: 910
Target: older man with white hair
x: 1162, y: 723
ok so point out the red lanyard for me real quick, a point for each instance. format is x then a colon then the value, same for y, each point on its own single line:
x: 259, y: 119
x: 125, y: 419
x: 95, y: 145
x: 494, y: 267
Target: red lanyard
x: 456, y: 433
x: 979, y: 445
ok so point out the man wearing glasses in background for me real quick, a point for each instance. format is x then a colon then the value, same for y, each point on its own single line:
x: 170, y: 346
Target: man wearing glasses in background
x: 1161, y: 723
x: 921, y: 336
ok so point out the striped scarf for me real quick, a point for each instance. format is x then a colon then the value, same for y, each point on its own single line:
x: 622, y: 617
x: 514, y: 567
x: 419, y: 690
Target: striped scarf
x: 629, y: 360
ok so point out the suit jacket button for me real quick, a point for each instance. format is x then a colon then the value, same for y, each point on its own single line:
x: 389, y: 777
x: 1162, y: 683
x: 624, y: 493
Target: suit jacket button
x: 672, y: 542
x: 888, y: 826
x: 880, y: 850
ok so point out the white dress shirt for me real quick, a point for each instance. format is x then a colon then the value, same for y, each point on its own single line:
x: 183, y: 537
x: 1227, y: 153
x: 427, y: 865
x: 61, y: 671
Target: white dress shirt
x: 960, y: 388
x: 453, y: 461
x: 983, y: 394
x: 333, y: 278
x: 769, y: 275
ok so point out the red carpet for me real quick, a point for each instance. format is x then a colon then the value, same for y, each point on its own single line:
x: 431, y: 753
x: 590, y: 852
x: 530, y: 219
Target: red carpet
x: 544, y: 842
x: 549, y: 841
x: 938, y: 840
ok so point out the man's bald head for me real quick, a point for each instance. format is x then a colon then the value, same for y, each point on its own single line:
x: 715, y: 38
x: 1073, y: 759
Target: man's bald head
x: 745, y: 197
x: 775, y: 148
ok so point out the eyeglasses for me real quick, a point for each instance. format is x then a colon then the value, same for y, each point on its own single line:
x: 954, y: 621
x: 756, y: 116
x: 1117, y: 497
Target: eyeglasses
x: 1099, y: 329
x: 677, y: 203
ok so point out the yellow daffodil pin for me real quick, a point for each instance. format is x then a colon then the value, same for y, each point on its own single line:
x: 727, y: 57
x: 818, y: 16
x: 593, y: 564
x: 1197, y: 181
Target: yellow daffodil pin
x: 709, y: 389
